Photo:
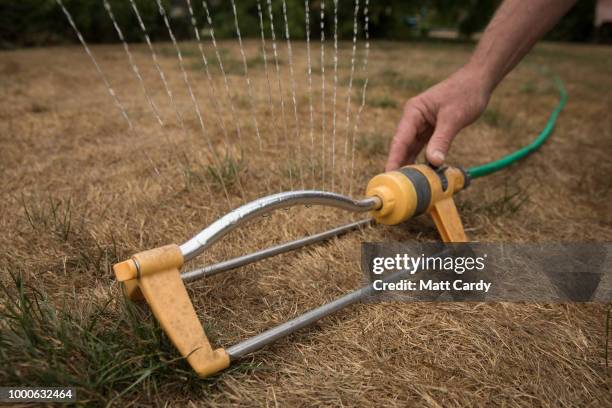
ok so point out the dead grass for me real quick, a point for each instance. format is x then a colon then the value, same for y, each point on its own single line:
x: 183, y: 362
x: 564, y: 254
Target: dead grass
x: 82, y: 192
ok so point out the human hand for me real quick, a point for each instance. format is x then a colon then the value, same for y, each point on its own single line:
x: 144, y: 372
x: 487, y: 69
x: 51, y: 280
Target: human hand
x: 434, y: 118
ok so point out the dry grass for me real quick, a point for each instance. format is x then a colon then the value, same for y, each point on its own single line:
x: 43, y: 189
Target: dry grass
x: 82, y: 192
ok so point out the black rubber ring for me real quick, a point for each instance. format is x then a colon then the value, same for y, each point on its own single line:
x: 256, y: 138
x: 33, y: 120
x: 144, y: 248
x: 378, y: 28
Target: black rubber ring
x: 466, y: 178
x: 442, y: 176
x: 421, y: 186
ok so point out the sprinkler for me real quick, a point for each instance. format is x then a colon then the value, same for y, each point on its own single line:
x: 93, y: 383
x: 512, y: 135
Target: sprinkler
x: 391, y: 198
x: 418, y: 189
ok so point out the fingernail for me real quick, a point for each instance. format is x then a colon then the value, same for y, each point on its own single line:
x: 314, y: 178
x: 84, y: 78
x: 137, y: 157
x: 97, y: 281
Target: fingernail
x: 438, y: 155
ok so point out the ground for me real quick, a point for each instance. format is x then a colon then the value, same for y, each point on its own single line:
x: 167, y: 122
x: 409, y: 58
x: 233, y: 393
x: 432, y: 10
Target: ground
x: 81, y: 192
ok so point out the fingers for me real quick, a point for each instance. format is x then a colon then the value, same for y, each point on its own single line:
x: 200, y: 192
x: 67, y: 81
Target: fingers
x: 405, y: 143
x: 440, y: 142
x: 420, y: 141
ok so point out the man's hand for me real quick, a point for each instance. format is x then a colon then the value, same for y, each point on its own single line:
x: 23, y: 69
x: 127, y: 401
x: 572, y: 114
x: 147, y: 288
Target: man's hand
x: 436, y: 116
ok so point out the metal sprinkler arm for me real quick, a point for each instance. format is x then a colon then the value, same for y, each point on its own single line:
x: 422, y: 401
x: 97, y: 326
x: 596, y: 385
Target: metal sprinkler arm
x: 259, y: 207
x: 252, y: 257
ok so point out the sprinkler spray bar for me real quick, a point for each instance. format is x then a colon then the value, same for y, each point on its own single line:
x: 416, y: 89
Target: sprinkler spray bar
x: 259, y: 207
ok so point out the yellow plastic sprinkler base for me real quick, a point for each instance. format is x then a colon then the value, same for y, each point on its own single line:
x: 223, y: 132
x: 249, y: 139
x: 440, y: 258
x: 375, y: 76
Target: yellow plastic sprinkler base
x: 154, y: 275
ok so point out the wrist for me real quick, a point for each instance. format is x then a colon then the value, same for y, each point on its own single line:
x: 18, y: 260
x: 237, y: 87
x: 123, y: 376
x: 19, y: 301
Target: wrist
x: 480, y: 76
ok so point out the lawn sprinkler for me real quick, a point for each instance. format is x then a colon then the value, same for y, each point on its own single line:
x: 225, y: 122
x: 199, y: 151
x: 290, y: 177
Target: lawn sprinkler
x: 391, y: 198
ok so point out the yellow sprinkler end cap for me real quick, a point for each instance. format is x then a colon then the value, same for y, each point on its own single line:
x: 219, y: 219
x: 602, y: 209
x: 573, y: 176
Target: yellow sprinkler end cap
x: 397, y: 194
x: 125, y: 270
x: 386, y: 197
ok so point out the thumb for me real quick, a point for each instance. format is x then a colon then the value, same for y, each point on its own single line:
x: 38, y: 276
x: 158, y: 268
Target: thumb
x: 441, y: 140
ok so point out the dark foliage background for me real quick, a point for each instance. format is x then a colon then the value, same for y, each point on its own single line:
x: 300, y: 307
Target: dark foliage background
x: 41, y: 22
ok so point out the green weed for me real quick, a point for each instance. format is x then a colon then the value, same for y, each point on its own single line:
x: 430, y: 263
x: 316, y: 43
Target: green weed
x: 495, y: 118
x: 359, y: 82
x: 372, y: 144
x: 395, y: 80
x: 113, y: 353
x: 258, y: 61
x: 227, y: 173
x: 109, y: 352
x: 509, y: 201
x: 230, y: 66
x: 49, y: 215
x: 186, y: 52
x: 293, y: 169
x: 233, y: 66
x: 384, y: 102
x: 529, y: 87
x: 92, y: 257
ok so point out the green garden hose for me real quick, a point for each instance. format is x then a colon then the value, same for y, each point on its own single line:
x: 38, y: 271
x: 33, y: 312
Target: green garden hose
x: 492, y: 167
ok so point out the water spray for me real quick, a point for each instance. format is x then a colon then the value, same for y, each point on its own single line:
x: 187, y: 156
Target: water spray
x: 390, y: 198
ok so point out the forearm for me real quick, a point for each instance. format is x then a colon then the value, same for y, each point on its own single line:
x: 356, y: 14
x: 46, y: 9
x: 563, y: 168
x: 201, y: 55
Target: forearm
x: 513, y: 31
x: 436, y: 116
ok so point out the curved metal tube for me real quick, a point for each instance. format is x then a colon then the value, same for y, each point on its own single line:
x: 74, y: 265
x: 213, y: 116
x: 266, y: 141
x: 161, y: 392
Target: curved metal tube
x: 243, y: 214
